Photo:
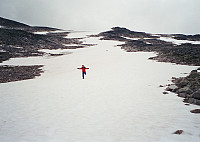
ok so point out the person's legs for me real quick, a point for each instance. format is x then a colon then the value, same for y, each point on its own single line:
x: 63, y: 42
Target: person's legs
x: 83, y: 73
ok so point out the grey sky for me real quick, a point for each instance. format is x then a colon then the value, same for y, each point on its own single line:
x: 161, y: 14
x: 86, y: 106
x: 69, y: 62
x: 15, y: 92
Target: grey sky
x: 155, y: 16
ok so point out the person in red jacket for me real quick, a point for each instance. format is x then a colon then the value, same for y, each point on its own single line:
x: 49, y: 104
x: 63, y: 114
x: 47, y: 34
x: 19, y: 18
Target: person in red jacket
x: 83, y: 68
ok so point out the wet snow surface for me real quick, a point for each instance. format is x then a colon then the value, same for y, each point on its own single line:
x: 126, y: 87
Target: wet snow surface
x: 119, y: 100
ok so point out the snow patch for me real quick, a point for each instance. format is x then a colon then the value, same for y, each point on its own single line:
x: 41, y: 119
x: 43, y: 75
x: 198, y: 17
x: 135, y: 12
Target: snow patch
x: 59, y: 31
x: 18, y: 47
x: 46, y: 32
x: 148, y: 38
x: 71, y: 44
x: 178, y: 42
x: 155, y: 35
x: 41, y: 33
x: 56, y: 51
x: 131, y: 38
x: 148, y: 43
x: 81, y: 34
x: 2, y: 50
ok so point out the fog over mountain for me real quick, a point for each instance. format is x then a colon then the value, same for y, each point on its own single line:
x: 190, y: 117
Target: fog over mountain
x: 155, y: 16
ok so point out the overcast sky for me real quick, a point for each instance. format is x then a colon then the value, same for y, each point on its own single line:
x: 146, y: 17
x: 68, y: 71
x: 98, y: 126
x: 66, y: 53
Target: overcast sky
x: 155, y: 16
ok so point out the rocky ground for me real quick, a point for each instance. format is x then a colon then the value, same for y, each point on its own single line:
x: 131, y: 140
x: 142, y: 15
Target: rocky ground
x: 187, y: 87
x: 16, y: 73
x: 19, y: 43
x: 20, y: 40
x: 185, y: 54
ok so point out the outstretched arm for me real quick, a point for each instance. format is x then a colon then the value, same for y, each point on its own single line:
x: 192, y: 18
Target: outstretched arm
x: 79, y: 68
x: 86, y: 68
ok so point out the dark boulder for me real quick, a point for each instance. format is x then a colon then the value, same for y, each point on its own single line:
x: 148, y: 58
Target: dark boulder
x: 165, y: 93
x: 172, y: 88
x: 196, y: 95
x: 183, y: 95
x: 186, y: 90
x: 178, y: 132
x: 195, y: 111
x: 194, y: 101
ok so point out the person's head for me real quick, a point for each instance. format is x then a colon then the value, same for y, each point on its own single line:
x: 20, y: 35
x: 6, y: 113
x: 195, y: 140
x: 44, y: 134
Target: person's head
x: 83, y: 66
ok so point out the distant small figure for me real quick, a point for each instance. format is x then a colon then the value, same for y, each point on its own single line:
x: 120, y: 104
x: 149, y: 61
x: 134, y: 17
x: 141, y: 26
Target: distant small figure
x: 83, y: 68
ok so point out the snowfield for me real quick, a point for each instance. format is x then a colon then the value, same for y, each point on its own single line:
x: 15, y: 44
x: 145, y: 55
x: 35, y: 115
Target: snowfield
x: 118, y: 101
x: 46, y: 32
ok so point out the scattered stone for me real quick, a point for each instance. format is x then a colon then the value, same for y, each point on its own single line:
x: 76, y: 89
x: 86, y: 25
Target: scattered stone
x: 183, y: 95
x: 196, y: 95
x: 185, y: 100
x: 173, y: 78
x: 194, y: 101
x: 193, y: 71
x: 187, y: 104
x: 151, y: 58
x: 161, y: 86
x: 178, y: 132
x: 181, y: 82
x: 187, y: 87
x: 195, y: 111
x: 165, y: 93
x: 172, y: 88
x: 185, y: 90
x: 184, y: 73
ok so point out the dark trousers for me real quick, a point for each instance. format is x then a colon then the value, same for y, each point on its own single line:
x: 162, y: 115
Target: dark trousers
x: 83, y: 73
